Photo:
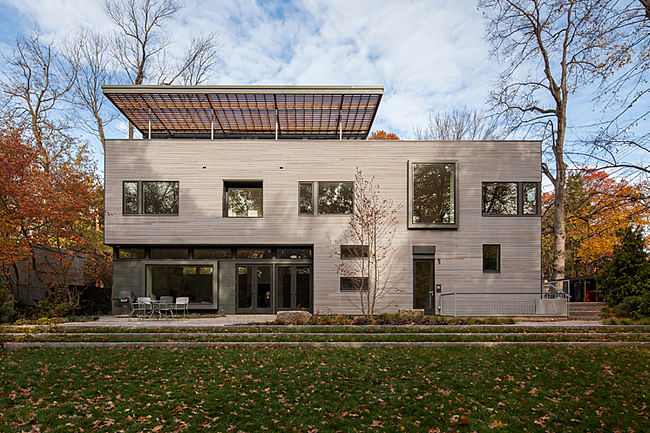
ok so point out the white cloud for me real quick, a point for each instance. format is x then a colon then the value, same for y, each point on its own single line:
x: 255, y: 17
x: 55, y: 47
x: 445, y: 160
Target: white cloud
x: 429, y: 55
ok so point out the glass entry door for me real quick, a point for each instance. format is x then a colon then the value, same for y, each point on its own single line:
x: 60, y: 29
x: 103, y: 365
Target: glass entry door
x: 423, y: 294
x: 294, y: 287
x: 254, y: 288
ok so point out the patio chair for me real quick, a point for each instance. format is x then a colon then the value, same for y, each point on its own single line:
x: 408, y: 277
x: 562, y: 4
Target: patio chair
x: 142, y: 307
x: 166, y: 305
x: 182, y: 303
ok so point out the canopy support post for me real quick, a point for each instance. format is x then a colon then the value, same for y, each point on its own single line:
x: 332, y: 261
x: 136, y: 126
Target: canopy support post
x: 212, y: 129
x: 340, y: 132
x: 276, y: 124
x: 149, y: 129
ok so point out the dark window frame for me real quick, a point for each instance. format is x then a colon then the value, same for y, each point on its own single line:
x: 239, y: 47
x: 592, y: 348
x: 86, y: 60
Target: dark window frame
x: 351, y: 248
x: 314, y: 197
x: 119, y: 249
x: 410, y: 191
x: 498, y: 267
x: 224, y: 211
x: 137, y: 197
x: 517, y: 199
x: 140, y: 198
x: 352, y: 289
x: 520, y: 199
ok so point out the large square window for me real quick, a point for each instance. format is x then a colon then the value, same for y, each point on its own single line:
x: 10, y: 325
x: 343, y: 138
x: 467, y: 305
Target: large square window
x: 335, y: 198
x: 242, y: 199
x: 499, y: 198
x: 432, y: 195
x: 160, y: 198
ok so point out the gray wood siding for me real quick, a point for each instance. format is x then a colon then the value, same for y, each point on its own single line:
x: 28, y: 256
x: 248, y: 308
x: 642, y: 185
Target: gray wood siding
x: 200, y: 219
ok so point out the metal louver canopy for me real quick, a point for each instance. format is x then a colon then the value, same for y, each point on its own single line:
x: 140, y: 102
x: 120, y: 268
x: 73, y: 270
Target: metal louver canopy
x: 314, y: 112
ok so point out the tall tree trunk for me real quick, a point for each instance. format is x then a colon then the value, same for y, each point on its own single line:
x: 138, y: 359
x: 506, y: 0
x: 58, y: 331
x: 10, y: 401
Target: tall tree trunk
x: 559, y: 250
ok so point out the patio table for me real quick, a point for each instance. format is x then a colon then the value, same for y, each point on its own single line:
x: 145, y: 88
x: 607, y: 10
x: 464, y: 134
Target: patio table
x: 162, y: 308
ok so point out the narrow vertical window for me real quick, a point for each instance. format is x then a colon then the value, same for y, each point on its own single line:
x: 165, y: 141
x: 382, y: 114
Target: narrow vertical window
x: 491, y: 258
x: 130, y: 198
x: 530, y: 198
x: 306, y: 198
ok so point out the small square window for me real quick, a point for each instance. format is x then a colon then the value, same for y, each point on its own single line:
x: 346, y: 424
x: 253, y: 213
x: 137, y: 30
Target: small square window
x: 491, y: 258
x: 242, y: 199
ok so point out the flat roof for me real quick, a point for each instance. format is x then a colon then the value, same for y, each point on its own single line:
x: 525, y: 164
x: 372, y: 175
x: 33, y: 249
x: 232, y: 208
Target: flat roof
x: 258, y: 111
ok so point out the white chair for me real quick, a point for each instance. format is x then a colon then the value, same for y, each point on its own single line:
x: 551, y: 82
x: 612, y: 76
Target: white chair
x: 143, y: 306
x: 182, y: 303
x: 165, y: 305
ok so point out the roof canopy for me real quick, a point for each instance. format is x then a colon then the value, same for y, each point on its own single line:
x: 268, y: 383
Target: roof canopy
x: 249, y: 111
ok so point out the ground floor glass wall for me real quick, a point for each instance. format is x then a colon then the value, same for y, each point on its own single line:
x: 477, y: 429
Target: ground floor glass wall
x: 194, y: 282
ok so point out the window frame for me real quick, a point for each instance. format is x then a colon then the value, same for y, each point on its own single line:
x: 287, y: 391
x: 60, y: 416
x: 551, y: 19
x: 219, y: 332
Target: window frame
x: 314, y: 197
x: 520, y: 199
x: 538, y: 199
x: 137, y: 197
x: 140, y: 198
x: 353, y: 290
x: 517, y: 199
x: 491, y: 271
x: 224, y: 210
x: 365, y: 251
x: 410, y: 195
x: 141, y: 194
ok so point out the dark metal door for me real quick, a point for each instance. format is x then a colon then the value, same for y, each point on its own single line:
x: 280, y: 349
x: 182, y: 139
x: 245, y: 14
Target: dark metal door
x: 423, y: 284
x: 294, y: 287
x: 254, y: 288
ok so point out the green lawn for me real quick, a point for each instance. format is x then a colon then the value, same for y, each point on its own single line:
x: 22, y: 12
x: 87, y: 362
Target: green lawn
x: 310, y: 389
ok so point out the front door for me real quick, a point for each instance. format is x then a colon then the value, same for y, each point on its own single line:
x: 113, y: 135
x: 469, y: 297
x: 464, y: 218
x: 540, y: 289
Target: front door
x: 423, y: 294
x: 294, y: 287
x: 254, y: 289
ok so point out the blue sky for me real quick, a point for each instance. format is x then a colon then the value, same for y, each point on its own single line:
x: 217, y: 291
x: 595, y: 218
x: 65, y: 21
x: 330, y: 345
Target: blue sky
x: 430, y: 55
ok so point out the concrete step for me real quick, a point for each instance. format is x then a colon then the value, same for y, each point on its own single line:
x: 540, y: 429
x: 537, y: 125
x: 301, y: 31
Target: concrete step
x: 585, y: 310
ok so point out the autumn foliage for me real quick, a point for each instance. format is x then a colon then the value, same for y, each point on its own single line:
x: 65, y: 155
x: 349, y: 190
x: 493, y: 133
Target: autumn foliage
x: 57, y: 205
x: 383, y: 135
x: 599, y: 206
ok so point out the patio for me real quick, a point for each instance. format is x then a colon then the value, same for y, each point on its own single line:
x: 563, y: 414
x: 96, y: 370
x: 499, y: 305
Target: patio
x: 177, y: 322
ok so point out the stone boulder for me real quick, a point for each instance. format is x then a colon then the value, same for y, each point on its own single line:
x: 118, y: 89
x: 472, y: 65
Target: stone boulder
x: 294, y: 317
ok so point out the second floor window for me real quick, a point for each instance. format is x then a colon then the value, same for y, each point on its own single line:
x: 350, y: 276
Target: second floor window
x: 432, y: 195
x: 150, y: 198
x: 510, y: 198
x: 242, y: 199
x: 326, y: 198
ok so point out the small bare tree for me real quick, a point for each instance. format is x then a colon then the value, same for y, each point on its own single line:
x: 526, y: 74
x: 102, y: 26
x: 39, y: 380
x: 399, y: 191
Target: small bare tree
x: 463, y: 124
x: 371, y: 228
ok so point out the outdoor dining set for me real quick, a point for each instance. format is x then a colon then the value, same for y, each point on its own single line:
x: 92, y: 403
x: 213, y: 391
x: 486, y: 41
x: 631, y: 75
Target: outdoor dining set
x: 145, y: 307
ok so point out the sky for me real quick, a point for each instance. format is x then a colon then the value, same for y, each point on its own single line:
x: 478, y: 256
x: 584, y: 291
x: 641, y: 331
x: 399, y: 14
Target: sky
x: 430, y: 55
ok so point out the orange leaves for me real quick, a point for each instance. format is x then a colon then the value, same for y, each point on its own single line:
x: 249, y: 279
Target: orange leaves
x: 383, y: 135
x: 598, y: 205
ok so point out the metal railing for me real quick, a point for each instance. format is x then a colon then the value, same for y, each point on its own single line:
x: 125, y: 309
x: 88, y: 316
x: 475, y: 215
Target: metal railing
x: 487, y: 304
x: 556, y: 289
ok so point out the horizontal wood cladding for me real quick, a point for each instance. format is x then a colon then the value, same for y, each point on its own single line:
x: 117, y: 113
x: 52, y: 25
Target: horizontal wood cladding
x: 282, y: 164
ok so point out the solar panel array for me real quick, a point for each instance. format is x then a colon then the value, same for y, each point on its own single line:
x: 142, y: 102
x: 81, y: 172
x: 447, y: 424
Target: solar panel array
x: 248, y: 113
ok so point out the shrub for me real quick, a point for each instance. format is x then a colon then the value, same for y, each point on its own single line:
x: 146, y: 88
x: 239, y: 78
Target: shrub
x: 628, y: 273
x: 6, y: 309
x: 633, y: 307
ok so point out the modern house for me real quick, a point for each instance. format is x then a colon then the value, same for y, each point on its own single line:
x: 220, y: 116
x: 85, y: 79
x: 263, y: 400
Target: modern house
x: 238, y: 197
